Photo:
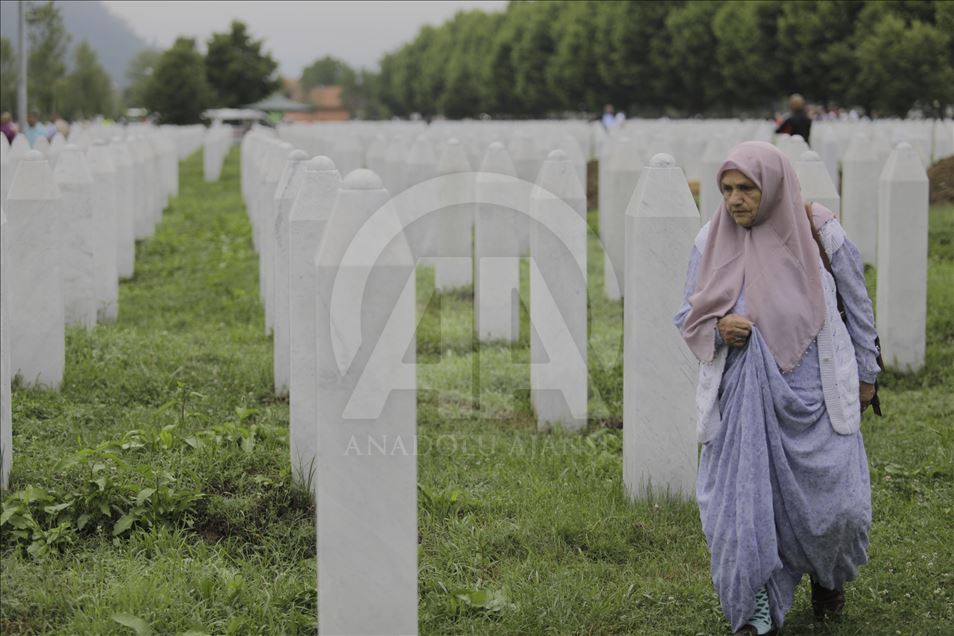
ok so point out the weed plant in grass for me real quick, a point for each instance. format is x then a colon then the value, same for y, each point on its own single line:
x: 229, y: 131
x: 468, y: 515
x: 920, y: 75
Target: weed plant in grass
x: 167, y: 438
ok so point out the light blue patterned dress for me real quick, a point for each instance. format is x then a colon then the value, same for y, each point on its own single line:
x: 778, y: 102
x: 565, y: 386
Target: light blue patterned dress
x: 780, y: 493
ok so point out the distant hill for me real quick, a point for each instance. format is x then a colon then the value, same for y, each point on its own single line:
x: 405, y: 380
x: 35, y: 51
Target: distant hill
x: 113, y: 39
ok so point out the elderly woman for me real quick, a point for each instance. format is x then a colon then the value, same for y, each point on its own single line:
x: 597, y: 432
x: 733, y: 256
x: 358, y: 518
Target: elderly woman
x: 783, y: 485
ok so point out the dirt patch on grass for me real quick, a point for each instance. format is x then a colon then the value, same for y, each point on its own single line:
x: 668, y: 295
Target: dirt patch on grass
x: 941, y: 177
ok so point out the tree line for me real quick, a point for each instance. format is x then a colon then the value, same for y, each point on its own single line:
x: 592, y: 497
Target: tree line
x: 178, y: 83
x: 535, y: 59
x: 675, y: 58
x: 82, y: 90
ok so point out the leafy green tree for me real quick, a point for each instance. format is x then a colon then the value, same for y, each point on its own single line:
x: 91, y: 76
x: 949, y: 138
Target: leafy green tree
x: 817, y: 39
x: 409, y: 88
x: 678, y: 57
x: 530, y: 54
x: 944, y: 20
x: 901, y: 66
x: 178, y: 90
x: 747, y: 62
x: 363, y: 99
x: 689, y: 77
x: 465, y: 55
x: 327, y: 71
x: 387, y: 89
x: 237, y: 70
x: 8, y: 76
x: 572, y: 74
x: 499, y: 79
x: 631, y: 52
x: 138, y: 74
x: 88, y: 89
x: 46, y: 65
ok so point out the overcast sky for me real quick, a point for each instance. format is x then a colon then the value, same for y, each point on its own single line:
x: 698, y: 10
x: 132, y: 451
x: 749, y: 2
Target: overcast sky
x: 298, y: 32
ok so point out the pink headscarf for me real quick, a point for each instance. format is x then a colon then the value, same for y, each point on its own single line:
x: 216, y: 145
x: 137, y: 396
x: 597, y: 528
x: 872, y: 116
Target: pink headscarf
x: 776, y: 260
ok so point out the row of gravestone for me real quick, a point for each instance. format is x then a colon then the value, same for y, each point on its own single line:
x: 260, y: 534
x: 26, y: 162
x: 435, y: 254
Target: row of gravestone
x: 216, y: 143
x: 342, y: 256
x: 882, y: 204
x: 337, y: 260
x: 622, y: 157
x: 70, y: 222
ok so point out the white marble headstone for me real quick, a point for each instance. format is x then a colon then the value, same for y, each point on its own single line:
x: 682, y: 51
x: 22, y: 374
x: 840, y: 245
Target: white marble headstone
x: 35, y: 296
x: 558, y: 298
x: 418, y: 202
x: 274, y: 169
x: 6, y: 171
x: 367, y: 469
x: 624, y: 164
x: 6, y: 413
x: 816, y: 183
x: 105, y: 202
x: 309, y: 214
x: 902, y: 259
x: 125, y: 209
x: 860, y: 170
x: 285, y: 194
x: 659, y: 371
x: 455, y: 223
x: 497, y: 249
x: 78, y: 237
x: 142, y: 218
x: 42, y: 144
x: 710, y: 197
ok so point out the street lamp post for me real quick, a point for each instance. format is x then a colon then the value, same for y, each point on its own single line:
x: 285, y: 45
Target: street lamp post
x: 22, y: 61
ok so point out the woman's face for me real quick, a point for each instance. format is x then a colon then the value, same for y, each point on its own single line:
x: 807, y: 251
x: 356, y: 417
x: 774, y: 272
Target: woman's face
x: 742, y: 197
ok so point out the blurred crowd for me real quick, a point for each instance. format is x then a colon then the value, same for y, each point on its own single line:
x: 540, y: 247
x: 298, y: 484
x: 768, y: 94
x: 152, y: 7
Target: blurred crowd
x: 35, y: 127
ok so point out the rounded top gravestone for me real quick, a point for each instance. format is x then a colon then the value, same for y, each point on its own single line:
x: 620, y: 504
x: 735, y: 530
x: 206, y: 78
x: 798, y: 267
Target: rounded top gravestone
x: 454, y: 158
x: 100, y: 159
x: 33, y: 180
x: 662, y: 160
x: 320, y: 183
x: 361, y: 197
x: 43, y: 145
x: 558, y: 178
x: 904, y: 165
x: 320, y: 163
x: 624, y: 156
x: 288, y: 180
x: 71, y: 168
x: 362, y: 179
x: 663, y: 192
x: 497, y: 160
x: 20, y: 146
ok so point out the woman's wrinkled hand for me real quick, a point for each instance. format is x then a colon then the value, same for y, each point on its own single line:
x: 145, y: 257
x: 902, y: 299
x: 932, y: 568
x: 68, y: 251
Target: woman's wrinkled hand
x: 735, y: 330
x: 866, y: 393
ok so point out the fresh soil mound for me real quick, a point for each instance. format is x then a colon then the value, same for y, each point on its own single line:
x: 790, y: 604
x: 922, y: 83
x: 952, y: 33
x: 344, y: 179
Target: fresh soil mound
x: 941, y: 177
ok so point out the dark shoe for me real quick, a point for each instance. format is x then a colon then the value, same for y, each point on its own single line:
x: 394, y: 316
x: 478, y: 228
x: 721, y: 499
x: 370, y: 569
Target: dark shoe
x: 827, y: 603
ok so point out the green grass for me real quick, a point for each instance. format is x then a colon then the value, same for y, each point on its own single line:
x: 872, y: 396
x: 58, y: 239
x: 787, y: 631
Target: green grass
x: 521, y: 532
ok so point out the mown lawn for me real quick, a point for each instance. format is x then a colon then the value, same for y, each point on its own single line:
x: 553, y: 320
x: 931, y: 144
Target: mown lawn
x: 154, y: 493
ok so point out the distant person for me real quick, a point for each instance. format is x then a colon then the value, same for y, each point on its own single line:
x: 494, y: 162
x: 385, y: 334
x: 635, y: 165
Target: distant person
x: 35, y: 129
x: 609, y: 117
x: 798, y: 121
x: 7, y: 127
